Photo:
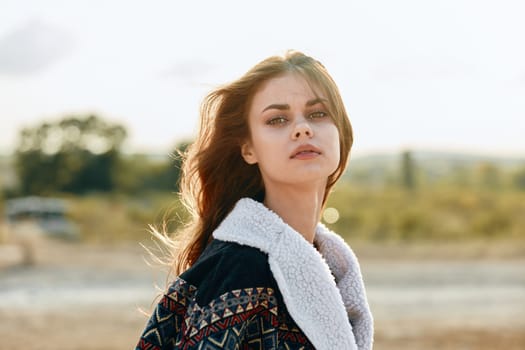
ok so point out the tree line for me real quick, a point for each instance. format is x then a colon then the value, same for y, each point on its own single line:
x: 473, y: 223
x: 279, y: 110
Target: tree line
x: 413, y: 173
x: 83, y: 154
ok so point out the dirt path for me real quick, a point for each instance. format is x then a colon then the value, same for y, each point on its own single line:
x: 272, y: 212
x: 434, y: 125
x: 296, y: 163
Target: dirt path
x: 88, y: 297
x: 472, y: 304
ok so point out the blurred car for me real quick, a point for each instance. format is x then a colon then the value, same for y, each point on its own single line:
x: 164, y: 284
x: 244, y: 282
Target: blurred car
x: 46, y: 215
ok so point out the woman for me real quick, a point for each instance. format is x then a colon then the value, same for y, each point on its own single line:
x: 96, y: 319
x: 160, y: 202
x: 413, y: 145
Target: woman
x: 256, y: 269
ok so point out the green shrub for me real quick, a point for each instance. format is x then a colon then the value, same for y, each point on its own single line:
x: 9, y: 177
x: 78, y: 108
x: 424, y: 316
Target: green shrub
x: 392, y: 214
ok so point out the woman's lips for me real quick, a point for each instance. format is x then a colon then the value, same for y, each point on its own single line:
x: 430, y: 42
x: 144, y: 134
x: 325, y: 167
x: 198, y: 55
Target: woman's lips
x: 305, y: 155
x: 306, y: 151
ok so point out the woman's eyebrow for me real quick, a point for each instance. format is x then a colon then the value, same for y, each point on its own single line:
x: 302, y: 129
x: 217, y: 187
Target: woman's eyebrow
x: 284, y: 106
x: 278, y: 106
x: 316, y: 101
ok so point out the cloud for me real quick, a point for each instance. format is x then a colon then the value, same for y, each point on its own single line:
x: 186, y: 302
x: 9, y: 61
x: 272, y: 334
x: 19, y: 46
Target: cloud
x: 422, y: 68
x: 32, y: 48
x: 521, y: 78
x: 188, y: 70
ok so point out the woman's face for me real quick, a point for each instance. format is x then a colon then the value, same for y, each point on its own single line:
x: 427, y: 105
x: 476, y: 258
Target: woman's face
x: 293, y: 138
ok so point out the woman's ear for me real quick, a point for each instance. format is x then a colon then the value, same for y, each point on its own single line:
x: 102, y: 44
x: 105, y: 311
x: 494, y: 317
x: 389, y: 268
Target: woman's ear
x: 248, y: 153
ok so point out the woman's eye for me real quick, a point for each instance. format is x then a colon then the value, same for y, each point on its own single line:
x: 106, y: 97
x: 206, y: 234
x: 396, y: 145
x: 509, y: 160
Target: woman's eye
x: 318, y: 115
x: 276, y: 121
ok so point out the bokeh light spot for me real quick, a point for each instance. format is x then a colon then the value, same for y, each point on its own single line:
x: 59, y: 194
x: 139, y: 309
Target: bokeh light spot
x: 330, y: 215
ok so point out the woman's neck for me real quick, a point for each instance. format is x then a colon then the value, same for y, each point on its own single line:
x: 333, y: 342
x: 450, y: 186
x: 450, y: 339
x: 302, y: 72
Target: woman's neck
x: 298, y: 208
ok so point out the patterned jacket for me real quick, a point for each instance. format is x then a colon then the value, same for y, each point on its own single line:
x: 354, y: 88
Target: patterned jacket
x: 260, y: 285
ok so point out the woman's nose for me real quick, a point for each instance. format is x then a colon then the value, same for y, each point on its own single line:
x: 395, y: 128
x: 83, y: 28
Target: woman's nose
x: 302, y: 129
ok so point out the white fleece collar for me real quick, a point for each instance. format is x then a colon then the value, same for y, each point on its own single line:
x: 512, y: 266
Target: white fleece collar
x: 331, y: 316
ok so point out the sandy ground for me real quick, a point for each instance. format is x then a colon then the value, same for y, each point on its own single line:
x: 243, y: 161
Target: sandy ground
x: 89, y: 297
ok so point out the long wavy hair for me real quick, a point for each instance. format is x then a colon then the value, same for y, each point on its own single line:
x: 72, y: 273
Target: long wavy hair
x: 214, y: 174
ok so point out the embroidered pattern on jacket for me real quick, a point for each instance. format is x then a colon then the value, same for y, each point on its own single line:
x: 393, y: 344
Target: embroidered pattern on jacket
x: 247, y: 318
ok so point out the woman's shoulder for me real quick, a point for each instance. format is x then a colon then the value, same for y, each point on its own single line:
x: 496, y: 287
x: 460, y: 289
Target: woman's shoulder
x: 226, y: 266
x: 215, y: 301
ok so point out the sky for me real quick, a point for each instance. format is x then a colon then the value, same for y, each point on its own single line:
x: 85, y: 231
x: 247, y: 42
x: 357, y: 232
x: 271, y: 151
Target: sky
x: 422, y: 75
